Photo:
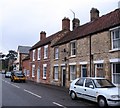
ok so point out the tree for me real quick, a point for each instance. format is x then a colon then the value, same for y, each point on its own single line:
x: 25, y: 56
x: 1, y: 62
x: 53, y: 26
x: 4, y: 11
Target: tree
x: 10, y: 58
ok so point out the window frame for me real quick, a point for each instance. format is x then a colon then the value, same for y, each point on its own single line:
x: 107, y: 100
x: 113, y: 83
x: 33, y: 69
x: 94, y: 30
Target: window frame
x: 73, y: 49
x: 45, y: 51
x: 39, y: 54
x: 33, y: 70
x: 113, y: 38
x: 56, y: 73
x: 56, y: 53
x: 44, y: 71
x: 72, y: 73
x: 33, y: 55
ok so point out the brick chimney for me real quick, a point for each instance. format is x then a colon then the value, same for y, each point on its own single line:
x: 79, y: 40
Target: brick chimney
x: 94, y: 14
x: 42, y: 35
x: 76, y: 23
x: 66, y: 24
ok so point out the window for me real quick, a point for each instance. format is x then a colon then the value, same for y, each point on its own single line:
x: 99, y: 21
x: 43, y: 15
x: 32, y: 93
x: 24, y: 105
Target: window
x: 72, y: 72
x: 115, y: 37
x: 44, y: 71
x: 73, y: 48
x: 56, y: 53
x: 99, y: 71
x: 39, y: 53
x: 33, y: 55
x: 56, y: 72
x: 116, y: 73
x: 45, y: 51
x: 88, y: 83
x: 33, y: 70
x: 80, y: 82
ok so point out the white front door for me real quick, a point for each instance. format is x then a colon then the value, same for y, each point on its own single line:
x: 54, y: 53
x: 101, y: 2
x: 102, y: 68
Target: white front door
x: 38, y: 75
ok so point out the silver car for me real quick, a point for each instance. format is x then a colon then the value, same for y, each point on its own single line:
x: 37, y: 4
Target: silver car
x: 99, y: 90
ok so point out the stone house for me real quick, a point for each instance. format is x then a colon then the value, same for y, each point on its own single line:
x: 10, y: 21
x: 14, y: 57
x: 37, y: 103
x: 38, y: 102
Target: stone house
x: 90, y: 50
x: 40, y: 54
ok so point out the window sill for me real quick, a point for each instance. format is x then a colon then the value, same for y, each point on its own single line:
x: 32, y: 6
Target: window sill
x: 44, y: 78
x: 56, y: 80
x: 73, y: 56
x: 114, y: 50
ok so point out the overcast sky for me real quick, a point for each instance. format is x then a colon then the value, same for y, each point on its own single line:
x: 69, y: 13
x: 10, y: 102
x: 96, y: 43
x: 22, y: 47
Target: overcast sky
x: 21, y: 21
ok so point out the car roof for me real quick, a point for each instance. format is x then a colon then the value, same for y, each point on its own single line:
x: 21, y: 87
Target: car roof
x: 93, y: 78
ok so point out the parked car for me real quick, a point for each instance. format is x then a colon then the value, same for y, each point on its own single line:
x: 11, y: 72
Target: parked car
x: 18, y: 76
x: 99, y: 90
x: 7, y: 74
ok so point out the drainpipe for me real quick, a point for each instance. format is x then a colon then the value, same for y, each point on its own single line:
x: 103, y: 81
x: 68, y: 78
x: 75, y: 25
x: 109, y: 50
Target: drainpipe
x: 90, y: 57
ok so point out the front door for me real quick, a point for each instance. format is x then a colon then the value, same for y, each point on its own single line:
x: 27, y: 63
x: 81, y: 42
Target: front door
x: 38, y: 75
x: 84, y: 71
x: 63, y: 76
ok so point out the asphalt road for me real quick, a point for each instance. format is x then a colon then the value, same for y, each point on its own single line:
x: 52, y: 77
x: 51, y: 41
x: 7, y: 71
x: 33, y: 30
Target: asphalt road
x: 31, y: 94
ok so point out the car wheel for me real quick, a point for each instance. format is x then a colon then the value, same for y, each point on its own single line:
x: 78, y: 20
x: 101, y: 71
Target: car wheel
x: 73, y: 95
x: 102, y: 102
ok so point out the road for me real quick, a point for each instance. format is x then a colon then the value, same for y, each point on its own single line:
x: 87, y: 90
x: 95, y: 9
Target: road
x: 31, y: 94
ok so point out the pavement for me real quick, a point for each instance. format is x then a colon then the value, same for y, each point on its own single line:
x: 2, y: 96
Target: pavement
x: 49, y: 86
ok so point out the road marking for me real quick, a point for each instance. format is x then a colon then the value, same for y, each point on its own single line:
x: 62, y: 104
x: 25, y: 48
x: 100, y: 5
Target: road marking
x: 32, y: 93
x: 15, y: 85
x: 59, y: 105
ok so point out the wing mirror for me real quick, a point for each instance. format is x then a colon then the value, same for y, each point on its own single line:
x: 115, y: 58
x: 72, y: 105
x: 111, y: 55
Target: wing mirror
x: 91, y: 86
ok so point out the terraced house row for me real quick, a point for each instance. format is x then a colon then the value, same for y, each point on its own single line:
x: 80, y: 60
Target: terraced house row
x: 91, y: 49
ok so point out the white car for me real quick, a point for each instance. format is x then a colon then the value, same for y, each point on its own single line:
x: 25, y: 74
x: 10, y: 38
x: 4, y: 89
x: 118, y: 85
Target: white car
x: 95, y: 89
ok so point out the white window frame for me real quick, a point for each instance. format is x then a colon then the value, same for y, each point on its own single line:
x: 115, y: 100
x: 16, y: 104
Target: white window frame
x: 112, y: 67
x: 56, y: 73
x: 46, y: 52
x: 44, y: 71
x: 56, y: 53
x: 39, y: 53
x: 112, y: 31
x: 72, y: 49
x: 33, y: 55
x: 72, y: 72
x: 33, y: 70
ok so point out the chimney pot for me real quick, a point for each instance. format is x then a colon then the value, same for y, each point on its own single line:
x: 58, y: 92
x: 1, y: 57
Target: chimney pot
x: 66, y: 24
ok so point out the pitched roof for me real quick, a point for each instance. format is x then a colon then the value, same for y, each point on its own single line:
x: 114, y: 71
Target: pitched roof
x: 47, y: 40
x: 103, y: 23
x: 24, y: 49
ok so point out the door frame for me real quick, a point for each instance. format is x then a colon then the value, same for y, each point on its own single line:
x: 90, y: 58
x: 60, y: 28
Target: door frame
x: 63, y: 81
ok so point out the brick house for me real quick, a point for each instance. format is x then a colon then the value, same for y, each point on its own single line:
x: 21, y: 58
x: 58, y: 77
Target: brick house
x: 26, y: 66
x: 91, y: 50
x: 40, y: 54
x: 23, y: 52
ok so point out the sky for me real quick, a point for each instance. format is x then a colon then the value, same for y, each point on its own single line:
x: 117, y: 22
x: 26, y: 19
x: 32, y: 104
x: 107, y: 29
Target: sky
x: 21, y: 21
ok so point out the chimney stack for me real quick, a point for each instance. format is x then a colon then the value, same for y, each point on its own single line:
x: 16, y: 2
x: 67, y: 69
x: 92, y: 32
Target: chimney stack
x: 42, y: 35
x: 94, y: 13
x: 76, y: 23
x: 66, y: 24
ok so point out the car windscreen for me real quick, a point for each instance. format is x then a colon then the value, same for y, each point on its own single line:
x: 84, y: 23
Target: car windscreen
x: 19, y: 74
x: 103, y: 83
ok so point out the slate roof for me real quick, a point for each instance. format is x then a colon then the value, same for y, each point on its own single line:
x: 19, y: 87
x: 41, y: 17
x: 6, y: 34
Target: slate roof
x: 47, y: 40
x: 103, y: 23
x: 24, y: 49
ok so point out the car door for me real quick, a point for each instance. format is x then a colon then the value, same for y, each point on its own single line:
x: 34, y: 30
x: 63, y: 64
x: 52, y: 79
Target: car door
x: 89, y: 90
x: 78, y: 87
